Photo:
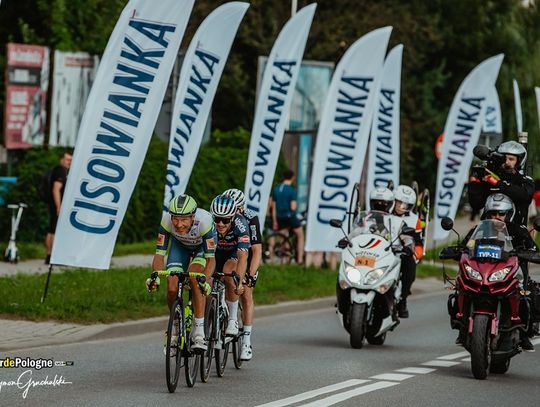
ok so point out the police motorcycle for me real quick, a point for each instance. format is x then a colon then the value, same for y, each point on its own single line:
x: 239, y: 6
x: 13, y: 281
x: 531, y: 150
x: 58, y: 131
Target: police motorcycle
x: 369, y: 285
x: 489, y: 306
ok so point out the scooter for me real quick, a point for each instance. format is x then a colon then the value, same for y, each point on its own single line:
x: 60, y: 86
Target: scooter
x: 489, y: 307
x: 11, y: 254
x: 369, y: 285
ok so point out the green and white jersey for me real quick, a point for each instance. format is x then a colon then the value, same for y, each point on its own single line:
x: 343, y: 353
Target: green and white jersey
x: 202, y: 232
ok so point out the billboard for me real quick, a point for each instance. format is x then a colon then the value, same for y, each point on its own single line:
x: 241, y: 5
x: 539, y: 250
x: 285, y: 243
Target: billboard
x: 27, y: 81
x: 73, y: 76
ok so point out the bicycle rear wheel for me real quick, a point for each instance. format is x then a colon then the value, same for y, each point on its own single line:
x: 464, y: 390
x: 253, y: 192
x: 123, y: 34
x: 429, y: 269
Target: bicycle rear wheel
x: 223, y: 353
x: 209, y: 330
x: 282, y: 248
x: 239, y: 340
x: 172, y: 350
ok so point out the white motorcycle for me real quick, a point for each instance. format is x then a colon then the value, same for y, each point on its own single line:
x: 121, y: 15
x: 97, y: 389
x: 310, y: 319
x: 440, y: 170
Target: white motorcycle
x: 369, y: 285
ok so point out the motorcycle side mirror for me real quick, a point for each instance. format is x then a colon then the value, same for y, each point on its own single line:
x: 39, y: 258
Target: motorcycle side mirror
x: 407, y: 230
x: 447, y: 223
x: 344, y: 242
x: 336, y: 223
x: 536, y: 224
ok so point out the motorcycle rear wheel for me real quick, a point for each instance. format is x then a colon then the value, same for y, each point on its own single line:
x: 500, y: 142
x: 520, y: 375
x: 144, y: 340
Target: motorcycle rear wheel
x: 358, y: 324
x: 480, y: 352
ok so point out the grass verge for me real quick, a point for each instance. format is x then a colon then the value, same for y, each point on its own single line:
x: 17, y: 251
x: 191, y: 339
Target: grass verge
x: 87, y: 297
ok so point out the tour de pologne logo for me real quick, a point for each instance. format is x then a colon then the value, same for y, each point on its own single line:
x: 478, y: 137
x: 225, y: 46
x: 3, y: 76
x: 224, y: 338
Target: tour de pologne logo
x: 26, y: 379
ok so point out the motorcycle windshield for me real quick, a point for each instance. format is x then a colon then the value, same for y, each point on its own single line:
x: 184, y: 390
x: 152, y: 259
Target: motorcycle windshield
x: 490, y: 240
x: 377, y: 223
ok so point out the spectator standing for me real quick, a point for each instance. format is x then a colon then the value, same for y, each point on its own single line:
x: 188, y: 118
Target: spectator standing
x: 57, y: 184
x: 284, y: 216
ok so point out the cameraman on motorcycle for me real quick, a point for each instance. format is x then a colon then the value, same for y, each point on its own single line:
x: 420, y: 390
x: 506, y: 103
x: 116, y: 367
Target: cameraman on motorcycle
x: 405, y: 199
x: 502, y: 175
x: 500, y: 207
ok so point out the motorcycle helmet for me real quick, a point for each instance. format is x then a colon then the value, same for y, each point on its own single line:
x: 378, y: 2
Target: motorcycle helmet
x: 405, y: 196
x: 514, y: 148
x: 381, y: 199
x: 499, y: 203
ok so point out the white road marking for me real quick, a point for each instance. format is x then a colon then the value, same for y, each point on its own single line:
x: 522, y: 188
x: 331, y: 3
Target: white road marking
x: 338, y: 398
x: 536, y: 341
x: 454, y: 356
x: 468, y: 359
x: 397, y: 377
x: 440, y: 363
x: 416, y: 370
x: 313, y: 393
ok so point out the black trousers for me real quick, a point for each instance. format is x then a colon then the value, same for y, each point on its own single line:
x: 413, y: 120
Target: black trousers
x: 408, y: 275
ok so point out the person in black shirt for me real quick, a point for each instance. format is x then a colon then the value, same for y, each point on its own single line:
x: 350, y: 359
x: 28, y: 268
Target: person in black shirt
x: 506, y: 179
x: 58, y: 183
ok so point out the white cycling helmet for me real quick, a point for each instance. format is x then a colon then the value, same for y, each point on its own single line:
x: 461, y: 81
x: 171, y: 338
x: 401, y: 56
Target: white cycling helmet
x: 223, y: 206
x: 237, y: 196
x: 406, y: 195
x: 500, y: 203
x: 381, y: 199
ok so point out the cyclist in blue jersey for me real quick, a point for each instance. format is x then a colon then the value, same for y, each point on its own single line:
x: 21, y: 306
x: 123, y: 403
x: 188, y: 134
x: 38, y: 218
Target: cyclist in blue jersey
x: 189, y: 234
x: 252, y: 271
x: 231, y: 252
x: 284, y: 216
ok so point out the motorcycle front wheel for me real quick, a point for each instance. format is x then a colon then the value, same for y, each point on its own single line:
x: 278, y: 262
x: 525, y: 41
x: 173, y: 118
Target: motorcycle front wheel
x: 358, y: 325
x: 480, y: 352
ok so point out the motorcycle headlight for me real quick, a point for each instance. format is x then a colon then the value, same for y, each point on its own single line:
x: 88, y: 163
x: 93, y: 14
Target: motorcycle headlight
x: 373, y: 276
x: 500, y: 274
x: 352, y: 273
x: 473, y: 273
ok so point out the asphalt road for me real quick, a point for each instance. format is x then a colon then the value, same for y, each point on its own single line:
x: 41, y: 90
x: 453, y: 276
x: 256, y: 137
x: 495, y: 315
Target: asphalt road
x: 299, y: 359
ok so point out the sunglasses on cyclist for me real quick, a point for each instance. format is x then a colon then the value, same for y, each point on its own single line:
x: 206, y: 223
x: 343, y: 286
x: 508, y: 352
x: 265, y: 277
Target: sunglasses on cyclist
x: 224, y: 221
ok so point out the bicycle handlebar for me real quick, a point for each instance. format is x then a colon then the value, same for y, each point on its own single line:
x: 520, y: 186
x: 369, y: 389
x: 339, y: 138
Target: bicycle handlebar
x: 233, y: 275
x: 176, y: 271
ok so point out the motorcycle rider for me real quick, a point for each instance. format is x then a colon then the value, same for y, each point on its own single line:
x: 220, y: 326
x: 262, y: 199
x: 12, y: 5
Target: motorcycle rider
x: 504, y: 176
x: 382, y: 199
x: 500, y: 207
x: 405, y: 199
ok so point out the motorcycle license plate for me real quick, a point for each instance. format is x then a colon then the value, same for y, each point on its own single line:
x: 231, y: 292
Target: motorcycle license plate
x: 488, y: 251
x: 367, y: 261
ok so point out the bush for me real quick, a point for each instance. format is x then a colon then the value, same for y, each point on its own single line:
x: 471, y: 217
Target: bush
x: 221, y: 164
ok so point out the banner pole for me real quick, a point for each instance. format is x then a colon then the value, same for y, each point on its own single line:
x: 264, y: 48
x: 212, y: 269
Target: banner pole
x: 47, y: 284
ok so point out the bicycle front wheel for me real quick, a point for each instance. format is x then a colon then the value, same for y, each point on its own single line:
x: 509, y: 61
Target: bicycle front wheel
x: 223, y: 353
x: 209, y: 330
x: 173, y: 347
x: 191, y: 360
